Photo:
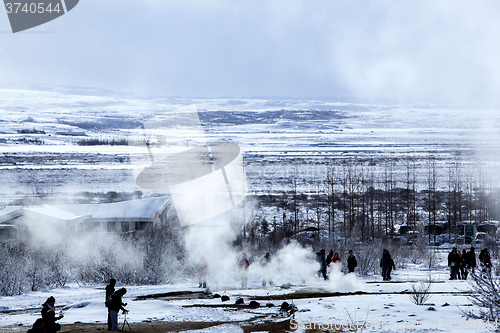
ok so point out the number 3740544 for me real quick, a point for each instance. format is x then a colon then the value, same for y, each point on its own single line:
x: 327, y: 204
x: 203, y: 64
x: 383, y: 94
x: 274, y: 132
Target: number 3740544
x: 32, y: 8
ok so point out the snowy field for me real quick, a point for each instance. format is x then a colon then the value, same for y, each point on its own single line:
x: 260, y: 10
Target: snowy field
x: 278, y: 137
x: 367, y: 302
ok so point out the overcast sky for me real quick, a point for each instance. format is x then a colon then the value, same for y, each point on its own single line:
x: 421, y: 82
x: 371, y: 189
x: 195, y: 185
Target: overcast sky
x: 412, y: 51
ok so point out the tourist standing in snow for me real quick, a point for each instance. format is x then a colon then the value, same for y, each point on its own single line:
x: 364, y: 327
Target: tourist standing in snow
x: 243, y: 269
x: 351, y: 262
x: 110, y: 289
x: 459, y: 264
x: 336, y: 262
x: 463, y: 265
x: 115, y: 304
x: 320, y: 258
x: 265, y: 265
x: 387, y: 265
x: 485, y: 259
x: 471, y: 260
x: 202, y: 273
x: 453, y: 263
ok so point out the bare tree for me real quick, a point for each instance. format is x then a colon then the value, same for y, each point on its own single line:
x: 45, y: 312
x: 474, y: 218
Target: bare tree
x: 485, y: 294
x: 331, y: 196
x: 431, y: 196
x: 318, y: 208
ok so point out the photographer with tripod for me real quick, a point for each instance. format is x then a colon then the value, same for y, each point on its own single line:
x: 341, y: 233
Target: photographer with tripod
x: 115, y: 304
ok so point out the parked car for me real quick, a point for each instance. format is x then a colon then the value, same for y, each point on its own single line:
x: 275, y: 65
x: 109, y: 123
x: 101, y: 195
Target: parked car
x: 482, y: 238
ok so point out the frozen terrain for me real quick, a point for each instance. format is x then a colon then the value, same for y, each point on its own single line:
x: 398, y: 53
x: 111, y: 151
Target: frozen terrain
x: 39, y: 130
x: 343, y: 300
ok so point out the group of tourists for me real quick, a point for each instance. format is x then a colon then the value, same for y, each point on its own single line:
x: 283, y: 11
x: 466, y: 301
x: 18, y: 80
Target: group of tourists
x: 47, y: 323
x: 326, y: 262
x: 461, y: 263
x: 113, y: 301
x: 333, y: 261
x: 265, y: 264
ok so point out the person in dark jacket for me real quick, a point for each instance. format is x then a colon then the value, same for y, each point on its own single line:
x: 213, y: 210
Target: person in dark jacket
x: 37, y: 326
x: 458, y: 265
x: 387, y: 265
x: 49, y: 323
x: 463, y: 265
x: 48, y: 305
x: 453, y: 263
x: 265, y: 265
x: 320, y: 258
x: 329, y: 258
x: 110, y: 289
x: 485, y: 259
x: 351, y: 262
x: 471, y: 260
x: 115, y: 304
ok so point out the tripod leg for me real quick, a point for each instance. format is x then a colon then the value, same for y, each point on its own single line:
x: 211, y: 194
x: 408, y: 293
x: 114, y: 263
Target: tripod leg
x: 124, y: 321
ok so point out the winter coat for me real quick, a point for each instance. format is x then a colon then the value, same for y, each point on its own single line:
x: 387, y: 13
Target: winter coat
x: 387, y: 262
x: 115, y: 302
x: 454, y: 259
x: 336, y: 259
x: 351, y: 263
x: 202, y: 267
x: 50, y: 326
x: 243, y: 264
x: 485, y: 259
x: 471, y: 259
x: 329, y: 257
x: 109, y: 291
x: 265, y: 261
x: 320, y: 258
x: 46, y: 307
x: 464, y: 256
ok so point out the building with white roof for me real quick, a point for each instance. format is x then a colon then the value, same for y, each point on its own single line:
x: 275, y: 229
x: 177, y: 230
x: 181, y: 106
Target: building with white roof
x: 44, y: 220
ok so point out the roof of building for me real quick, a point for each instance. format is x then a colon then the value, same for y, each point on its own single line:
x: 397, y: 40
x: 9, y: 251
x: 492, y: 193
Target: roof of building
x: 9, y: 212
x: 134, y: 210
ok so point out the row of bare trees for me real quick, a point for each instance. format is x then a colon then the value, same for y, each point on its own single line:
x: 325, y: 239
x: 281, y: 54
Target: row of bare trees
x: 371, y: 199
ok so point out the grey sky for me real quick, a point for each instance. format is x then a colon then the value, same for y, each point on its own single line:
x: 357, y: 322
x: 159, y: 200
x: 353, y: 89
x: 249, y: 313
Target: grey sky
x: 426, y: 51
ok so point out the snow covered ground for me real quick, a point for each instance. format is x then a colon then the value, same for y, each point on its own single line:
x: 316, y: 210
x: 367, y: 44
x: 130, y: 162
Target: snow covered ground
x: 363, y: 301
x: 279, y: 137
